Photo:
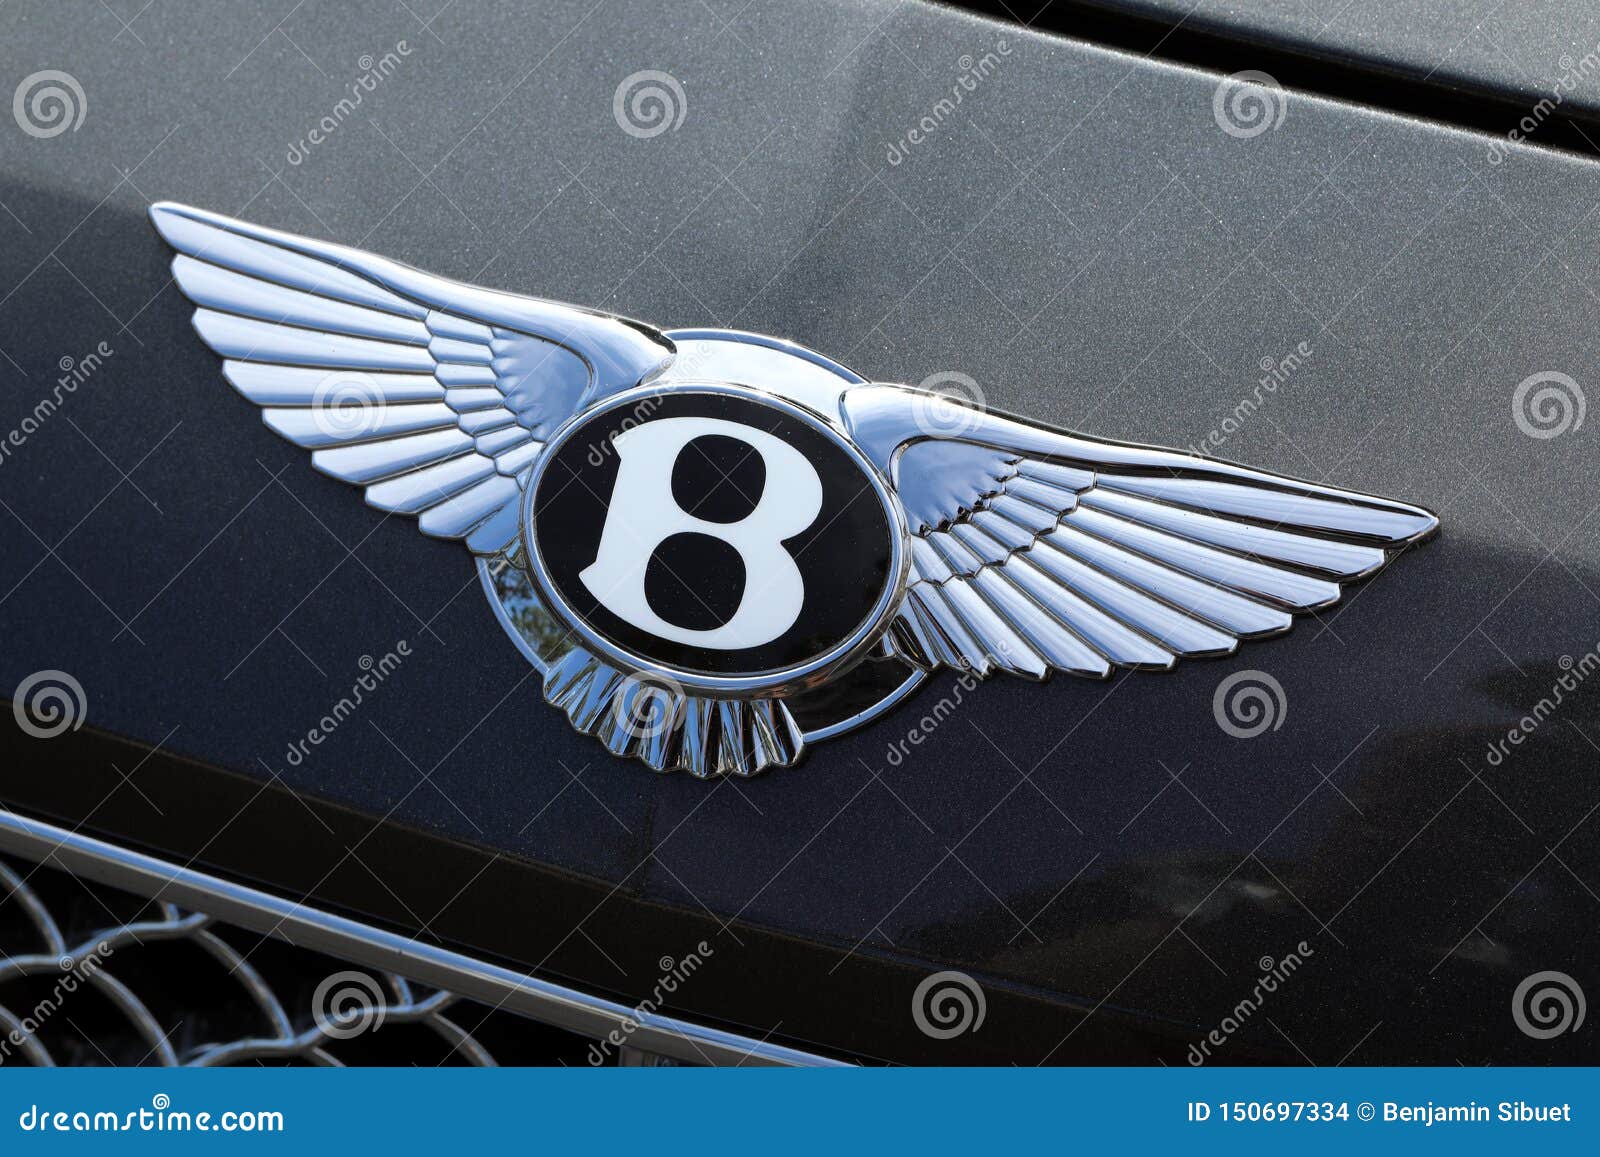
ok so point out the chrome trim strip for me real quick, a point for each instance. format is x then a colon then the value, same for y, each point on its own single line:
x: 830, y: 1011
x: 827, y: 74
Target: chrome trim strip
x: 376, y: 948
x: 911, y: 683
x: 771, y: 343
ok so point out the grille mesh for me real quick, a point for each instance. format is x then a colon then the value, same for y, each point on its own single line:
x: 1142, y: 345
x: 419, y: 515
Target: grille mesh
x: 91, y: 975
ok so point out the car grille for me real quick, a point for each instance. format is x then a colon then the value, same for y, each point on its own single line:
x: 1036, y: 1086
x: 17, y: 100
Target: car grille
x: 92, y: 975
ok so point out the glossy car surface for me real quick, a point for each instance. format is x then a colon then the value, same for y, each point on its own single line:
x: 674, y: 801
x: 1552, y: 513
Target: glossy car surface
x: 1085, y: 238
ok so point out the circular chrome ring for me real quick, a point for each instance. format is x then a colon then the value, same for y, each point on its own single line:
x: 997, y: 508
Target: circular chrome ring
x: 780, y: 682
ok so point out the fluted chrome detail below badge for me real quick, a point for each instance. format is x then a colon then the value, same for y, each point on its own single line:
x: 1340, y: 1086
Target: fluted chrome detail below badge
x: 718, y: 547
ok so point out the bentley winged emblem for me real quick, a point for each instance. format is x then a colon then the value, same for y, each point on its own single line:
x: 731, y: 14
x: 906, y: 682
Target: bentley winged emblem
x: 718, y: 547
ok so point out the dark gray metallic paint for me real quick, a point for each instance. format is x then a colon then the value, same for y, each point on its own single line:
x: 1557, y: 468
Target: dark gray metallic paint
x: 1083, y: 241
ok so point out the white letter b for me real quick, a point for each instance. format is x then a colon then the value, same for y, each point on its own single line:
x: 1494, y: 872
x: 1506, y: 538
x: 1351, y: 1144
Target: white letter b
x: 643, y: 514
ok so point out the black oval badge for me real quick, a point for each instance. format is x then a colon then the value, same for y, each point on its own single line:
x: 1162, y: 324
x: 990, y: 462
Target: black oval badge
x: 728, y: 538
